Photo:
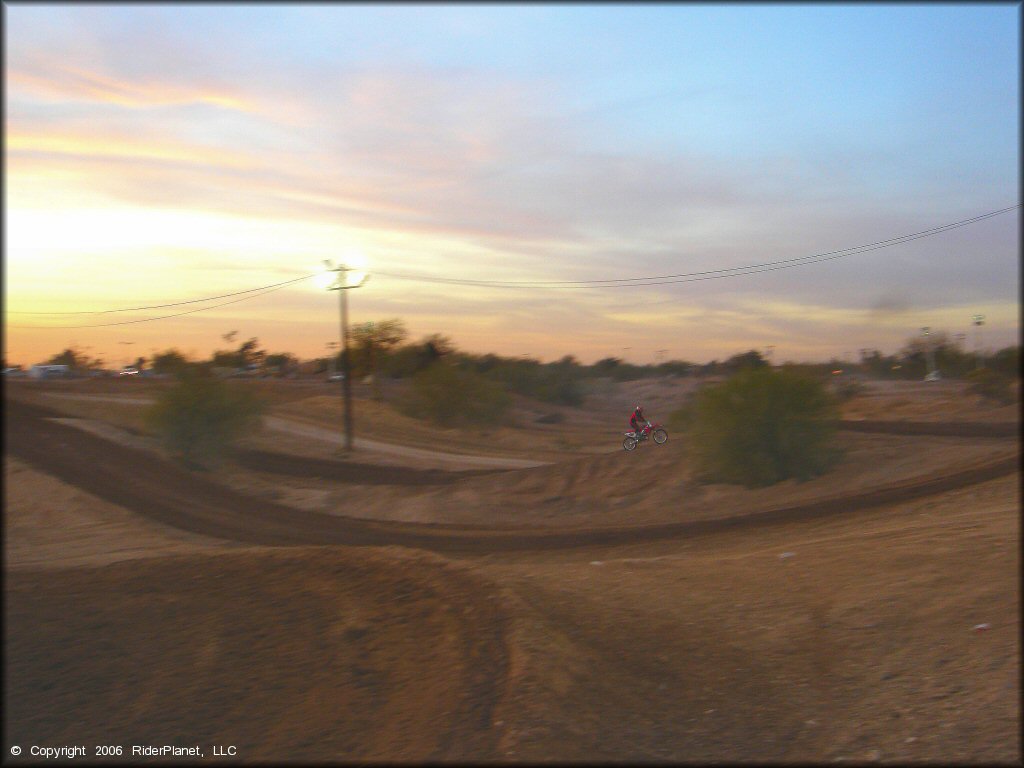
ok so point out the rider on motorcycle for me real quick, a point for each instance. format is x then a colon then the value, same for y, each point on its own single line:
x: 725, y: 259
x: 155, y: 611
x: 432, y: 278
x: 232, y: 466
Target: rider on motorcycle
x: 637, y: 419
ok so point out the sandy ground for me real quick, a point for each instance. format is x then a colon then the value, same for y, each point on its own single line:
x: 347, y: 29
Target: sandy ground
x: 889, y: 633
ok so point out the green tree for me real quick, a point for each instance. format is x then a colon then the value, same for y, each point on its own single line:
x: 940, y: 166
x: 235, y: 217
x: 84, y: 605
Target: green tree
x: 250, y: 354
x: 762, y: 426
x: 744, y: 361
x: 73, y: 358
x: 605, y: 366
x: 201, y: 417
x: 877, y: 365
x: 247, y: 356
x: 452, y: 396
x: 371, y: 340
x: 170, y: 361
x: 283, y: 362
x: 948, y: 358
x: 410, y: 359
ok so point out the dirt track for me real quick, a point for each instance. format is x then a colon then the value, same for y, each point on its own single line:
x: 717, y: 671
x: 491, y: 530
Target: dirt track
x: 165, y: 492
x: 821, y: 637
x: 173, y: 646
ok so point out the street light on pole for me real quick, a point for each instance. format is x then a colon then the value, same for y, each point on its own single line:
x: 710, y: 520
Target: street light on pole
x: 342, y: 284
x: 331, y: 346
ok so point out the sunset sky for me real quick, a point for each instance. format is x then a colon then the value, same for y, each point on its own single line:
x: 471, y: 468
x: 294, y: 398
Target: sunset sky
x: 159, y: 154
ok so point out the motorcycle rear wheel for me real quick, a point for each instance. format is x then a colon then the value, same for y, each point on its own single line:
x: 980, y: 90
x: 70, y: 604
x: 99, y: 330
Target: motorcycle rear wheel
x: 629, y: 443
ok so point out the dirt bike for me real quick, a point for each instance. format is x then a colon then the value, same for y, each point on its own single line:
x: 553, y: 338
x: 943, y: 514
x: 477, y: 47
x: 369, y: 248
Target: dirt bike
x: 658, y: 432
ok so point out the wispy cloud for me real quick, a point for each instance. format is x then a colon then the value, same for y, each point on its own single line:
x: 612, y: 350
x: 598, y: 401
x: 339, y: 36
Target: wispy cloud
x: 433, y: 140
x: 59, y: 82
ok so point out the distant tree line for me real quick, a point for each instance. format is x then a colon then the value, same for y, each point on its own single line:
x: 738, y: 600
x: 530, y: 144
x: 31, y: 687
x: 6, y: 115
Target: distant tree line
x: 381, y: 349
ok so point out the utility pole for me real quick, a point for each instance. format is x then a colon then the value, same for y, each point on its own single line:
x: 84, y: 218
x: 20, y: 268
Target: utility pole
x: 342, y: 286
x: 978, y: 320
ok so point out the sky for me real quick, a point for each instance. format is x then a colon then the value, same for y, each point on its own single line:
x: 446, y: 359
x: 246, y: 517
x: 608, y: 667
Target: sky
x: 490, y: 165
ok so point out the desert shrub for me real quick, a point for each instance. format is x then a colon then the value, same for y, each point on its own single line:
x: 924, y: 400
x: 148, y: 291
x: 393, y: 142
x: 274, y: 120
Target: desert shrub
x: 847, y: 389
x: 453, y: 396
x: 991, y: 386
x: 762, y: 426
x: 560, y: 383
x: 1005, y: 362
x: 201, y: 417
x: 560, y: 386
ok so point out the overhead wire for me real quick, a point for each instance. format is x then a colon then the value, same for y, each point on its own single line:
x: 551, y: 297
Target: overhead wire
x: 162, y: 317
x: 684, y: 277
x: 172, y: 304
x: 703, y: 275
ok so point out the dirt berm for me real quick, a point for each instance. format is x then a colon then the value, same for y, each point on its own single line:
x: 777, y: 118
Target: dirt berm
x: 165, y: 492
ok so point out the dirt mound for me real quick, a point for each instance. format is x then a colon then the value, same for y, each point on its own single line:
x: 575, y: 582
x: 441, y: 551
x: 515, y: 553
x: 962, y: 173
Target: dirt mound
x: 304, y: 655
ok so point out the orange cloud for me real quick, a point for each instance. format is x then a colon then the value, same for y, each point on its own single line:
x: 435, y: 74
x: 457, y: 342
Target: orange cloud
x: 72, y: 82
x: 118, y: 146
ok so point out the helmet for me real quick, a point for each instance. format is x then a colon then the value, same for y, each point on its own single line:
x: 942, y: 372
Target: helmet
x: 639, y: 408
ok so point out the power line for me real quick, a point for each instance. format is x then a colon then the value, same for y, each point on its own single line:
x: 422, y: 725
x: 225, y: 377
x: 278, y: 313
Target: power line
x: 173, y: 304
x: 162, y: 317
x: 685, y: 277
x: 714, y: 274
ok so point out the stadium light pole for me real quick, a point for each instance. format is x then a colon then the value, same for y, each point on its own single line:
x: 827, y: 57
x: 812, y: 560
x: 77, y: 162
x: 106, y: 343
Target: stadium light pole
x: 342, y: 286
x: 978, y: 320
x: 928, y: 354
x: 128, y: 356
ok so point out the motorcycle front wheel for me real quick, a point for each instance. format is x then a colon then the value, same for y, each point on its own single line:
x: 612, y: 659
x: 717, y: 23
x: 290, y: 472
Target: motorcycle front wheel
x: 660, y: 436
x: 629, y: 443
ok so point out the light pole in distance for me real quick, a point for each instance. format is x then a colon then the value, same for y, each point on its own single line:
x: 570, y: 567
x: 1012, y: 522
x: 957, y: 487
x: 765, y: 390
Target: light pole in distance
x: 978, y: 321
x: 928, y: 355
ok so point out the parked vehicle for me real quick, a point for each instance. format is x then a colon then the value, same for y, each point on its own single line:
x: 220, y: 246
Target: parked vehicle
x: 50, y: 372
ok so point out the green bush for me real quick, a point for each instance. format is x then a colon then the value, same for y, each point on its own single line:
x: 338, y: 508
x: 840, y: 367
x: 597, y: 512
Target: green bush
x: 991, y: 386
x: 201, y: 417
x: 760, y: 427
x: 452, y: 396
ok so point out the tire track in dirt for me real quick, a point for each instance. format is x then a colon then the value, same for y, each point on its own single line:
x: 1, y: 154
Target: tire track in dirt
x: 172, y: 495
